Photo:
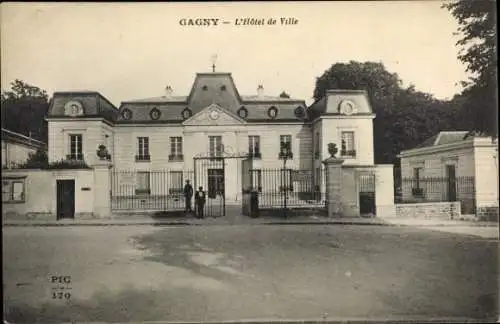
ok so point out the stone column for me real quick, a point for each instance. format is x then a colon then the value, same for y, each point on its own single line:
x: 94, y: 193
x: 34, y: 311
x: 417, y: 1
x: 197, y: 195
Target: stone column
x: 102, y: 189
x: 384, y: 191
x: 333, y: 172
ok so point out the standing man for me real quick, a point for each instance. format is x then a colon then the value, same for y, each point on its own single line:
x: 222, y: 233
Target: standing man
x: 188, y: 194
x: 200, y: 199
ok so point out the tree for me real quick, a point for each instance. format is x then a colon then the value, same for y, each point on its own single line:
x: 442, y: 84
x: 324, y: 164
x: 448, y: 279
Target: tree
x: 478, y: 51
x: 405, y: 117
x: 24, y: 108
x: 284, y: 95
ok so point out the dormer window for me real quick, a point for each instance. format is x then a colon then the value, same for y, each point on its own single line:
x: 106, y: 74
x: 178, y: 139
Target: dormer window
x: 126, y: 114
x: 223, y: 88
x: 243, y: 112
x: 272, y: 112
x: 186, y: 113
x: 299, y: 112
x: 154, y: 114
x: 204, y: 88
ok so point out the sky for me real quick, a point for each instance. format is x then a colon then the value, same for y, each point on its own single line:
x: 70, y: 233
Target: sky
x: 130, y: 51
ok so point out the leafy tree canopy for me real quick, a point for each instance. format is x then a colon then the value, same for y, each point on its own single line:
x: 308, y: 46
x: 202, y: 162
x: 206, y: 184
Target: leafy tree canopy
x: 478, y: 51
x: 24, y: 108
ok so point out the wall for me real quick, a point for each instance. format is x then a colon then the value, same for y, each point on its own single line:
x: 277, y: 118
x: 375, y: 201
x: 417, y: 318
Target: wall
x: 362, y: 127
x: 93, y: 134
x: 41, y: 193
x: 434, y: 166
x: 195, y: 141
x: 384, y: 190
x: 486, y: 162
x: 15, y: 153
x: 434, y: 210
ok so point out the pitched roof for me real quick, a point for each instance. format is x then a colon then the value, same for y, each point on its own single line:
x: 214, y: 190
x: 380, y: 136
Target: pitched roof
x: 93, y: 103
x: 212, y: 88
x: 334, y: 98
x: 445, y: 137
x: 10, y: 136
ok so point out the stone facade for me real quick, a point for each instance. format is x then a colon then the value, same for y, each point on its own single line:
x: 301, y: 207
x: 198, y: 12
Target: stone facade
x: 471, y: 156
x: 436, y: 211
x: 215, y: 108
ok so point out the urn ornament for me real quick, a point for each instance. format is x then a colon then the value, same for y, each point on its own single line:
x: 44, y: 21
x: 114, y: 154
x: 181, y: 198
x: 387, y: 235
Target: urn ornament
x: 103, y: 153
x: 332, y: 149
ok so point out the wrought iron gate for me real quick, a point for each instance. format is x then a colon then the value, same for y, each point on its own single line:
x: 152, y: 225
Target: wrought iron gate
x: 209, y: 174
x: 367, y: 193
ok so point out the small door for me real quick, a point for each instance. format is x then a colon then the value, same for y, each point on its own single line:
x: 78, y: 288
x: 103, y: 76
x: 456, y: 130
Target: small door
x: 65, y: 199
x: 452, y: 182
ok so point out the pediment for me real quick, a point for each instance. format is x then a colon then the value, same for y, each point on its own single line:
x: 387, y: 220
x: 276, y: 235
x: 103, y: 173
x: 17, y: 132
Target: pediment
x: 213, y: 115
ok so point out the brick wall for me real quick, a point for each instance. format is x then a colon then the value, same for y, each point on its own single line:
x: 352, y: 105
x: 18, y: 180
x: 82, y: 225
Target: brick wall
x: 436, y: 210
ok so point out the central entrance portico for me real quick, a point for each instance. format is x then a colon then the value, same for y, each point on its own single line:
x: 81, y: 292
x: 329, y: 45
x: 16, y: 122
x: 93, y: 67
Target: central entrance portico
x: 217, y: 173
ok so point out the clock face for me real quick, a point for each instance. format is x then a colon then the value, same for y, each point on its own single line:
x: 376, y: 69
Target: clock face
x: 214, y: 114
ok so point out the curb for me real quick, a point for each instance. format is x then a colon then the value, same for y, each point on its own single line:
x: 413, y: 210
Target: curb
x: 270, y: 222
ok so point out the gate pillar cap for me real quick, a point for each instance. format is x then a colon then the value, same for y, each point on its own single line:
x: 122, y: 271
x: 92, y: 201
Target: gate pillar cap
x: 332, y: 160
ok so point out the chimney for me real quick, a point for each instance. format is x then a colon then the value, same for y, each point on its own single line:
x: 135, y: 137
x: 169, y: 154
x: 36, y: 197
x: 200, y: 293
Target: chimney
x: 168, y: 91
x: 260, y: 91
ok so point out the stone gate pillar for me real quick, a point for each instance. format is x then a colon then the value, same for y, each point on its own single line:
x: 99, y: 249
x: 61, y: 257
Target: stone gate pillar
x: 102, y: 189
x: 333, y: 183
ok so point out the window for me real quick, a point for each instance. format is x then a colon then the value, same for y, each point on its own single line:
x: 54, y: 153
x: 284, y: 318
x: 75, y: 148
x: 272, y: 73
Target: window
x: 254, y: 146
x: 175, y: 149
x: 256, y: 180
x: 215, y: 146
x: 75, y: 147
x: 347, y: 149
x: 286, y: 140
x: 286, y: 180
x: 13, y: 190
x: 143, y: 184
x: 176, y: 183
x: 417, y: 190
x: 317, y: 146
x: 143, y: 149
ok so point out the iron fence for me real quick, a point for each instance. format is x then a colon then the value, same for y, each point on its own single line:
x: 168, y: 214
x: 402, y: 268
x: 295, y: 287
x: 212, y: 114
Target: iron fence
x: 288, y: 188
x: 437, y: 189
x: 149, y: 190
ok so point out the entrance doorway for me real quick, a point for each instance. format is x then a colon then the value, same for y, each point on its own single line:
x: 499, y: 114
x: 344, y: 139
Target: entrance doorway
x: 65, y: 199
x: 215, y: 183
x: 451, y: 182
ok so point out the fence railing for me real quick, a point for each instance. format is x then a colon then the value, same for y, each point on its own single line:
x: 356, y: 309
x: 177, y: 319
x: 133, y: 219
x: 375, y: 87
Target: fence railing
x: 149, y: 190
x: 437, y: 189
x: 288, y: 188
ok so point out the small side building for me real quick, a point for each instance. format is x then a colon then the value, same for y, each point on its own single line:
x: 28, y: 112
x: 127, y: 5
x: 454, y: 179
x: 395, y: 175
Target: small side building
x: 17, y: 147
x: 453, y: 166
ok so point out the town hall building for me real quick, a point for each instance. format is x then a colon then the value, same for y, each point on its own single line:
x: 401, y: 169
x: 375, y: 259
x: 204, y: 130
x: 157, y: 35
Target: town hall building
x: 226, y: 142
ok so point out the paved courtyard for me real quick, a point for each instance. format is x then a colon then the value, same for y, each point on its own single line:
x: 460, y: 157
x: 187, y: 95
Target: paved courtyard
x: 216, y: 273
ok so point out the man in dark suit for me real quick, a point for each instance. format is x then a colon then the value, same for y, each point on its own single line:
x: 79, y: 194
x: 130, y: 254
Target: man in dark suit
x: 200, y: 199
x: 188, y: 194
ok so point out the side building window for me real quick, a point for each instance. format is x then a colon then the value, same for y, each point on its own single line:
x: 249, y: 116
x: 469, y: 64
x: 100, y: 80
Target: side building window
x: 142, y: 149
x: 316, y: 146
x: 13, y: 190
x: 254, y: 146
x: 176, y: 149
x: 143, y: 186
x: 176, y: 183
x: 286, y: 141
x: 215, y: 146
x: 348, y: 145
x: 75, y: 147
